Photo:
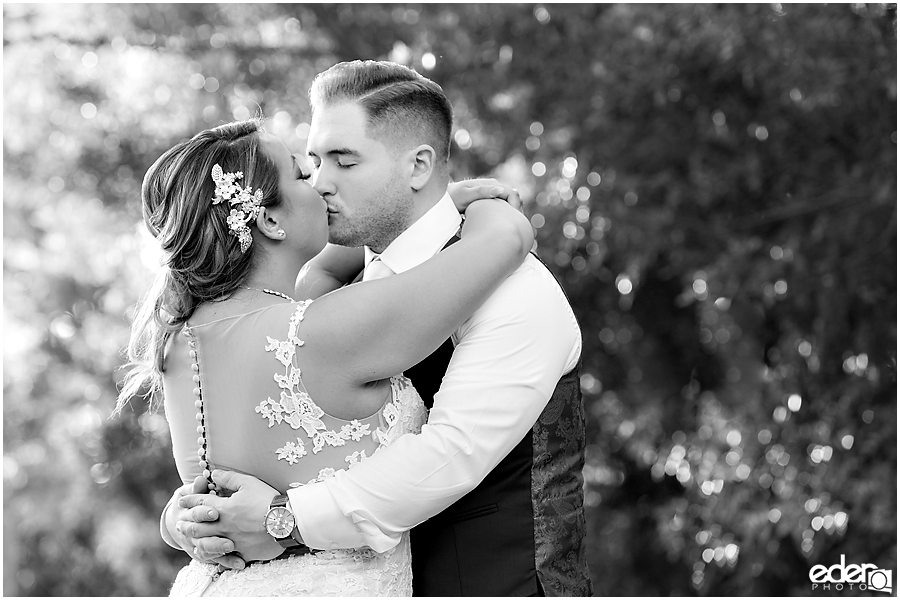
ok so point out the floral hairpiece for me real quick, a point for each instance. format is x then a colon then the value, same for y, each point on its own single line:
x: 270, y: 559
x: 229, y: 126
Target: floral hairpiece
x: 244, y: 204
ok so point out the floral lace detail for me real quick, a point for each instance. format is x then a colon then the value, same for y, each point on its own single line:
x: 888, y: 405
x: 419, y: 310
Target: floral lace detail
x: 355, y: 458
x: 355, y: 430
x: 297, y: 409
x: 292, y: 452
x: 294, y: 406
x: 334, y: 573
x: 404, y: 414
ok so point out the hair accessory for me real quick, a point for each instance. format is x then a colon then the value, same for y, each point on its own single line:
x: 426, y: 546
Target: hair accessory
x: 244, y: 204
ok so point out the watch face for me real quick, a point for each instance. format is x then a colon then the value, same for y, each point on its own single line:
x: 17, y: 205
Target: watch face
x: 279, y: 522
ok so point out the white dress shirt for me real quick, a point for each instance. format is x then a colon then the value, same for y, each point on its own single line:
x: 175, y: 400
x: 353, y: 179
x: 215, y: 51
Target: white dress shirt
x: 507, y: 360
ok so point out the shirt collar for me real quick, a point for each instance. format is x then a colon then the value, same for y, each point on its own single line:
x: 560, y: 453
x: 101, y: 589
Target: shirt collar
x: 423, y: 239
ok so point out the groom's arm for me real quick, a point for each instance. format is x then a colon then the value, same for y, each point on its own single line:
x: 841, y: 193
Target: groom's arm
x: 510, y: 356
x: 508, y: 360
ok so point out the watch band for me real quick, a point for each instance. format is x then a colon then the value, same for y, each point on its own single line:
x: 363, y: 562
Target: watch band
x: 293, y: 540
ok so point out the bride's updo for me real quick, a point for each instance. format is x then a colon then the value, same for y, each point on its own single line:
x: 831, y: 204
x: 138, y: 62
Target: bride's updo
x: 202, y: 260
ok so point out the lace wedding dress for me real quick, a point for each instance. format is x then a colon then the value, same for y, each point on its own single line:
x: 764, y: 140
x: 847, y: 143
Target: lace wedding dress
x: 219, y: 383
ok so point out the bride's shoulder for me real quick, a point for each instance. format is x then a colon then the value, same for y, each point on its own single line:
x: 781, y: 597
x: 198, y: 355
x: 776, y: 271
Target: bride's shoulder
x: 209, y: 314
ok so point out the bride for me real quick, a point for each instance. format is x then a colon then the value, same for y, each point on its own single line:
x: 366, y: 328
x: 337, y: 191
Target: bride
x: 290, y: 391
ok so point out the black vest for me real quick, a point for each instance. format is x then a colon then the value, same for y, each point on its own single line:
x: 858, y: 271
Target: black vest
x: 521, y: 531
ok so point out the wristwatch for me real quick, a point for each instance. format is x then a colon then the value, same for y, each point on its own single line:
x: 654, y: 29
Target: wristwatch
x: 280, y: 524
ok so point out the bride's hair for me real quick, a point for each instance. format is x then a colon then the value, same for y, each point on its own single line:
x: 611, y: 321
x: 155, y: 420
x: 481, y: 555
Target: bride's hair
x: 202, y: 260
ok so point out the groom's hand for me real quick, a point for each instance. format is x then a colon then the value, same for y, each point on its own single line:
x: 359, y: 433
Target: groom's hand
x: 241, y: 516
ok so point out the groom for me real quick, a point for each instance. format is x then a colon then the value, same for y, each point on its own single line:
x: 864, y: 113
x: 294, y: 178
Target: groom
x: 492, y: 487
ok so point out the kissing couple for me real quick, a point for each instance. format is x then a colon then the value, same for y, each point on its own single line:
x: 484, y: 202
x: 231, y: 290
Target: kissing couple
x: 397, y: 412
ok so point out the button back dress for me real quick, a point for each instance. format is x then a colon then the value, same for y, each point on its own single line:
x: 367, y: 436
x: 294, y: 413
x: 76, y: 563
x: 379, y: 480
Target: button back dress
x: 235, y: 400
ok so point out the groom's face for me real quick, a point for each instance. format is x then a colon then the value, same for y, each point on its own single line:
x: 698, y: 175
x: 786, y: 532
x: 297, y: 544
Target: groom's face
x: 359, y: 177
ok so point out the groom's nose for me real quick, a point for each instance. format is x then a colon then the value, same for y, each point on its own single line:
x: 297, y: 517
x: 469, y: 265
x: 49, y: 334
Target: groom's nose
x: 322, y: 184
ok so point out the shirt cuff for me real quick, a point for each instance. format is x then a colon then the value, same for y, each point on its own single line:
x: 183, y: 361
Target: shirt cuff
x: 323, y: 526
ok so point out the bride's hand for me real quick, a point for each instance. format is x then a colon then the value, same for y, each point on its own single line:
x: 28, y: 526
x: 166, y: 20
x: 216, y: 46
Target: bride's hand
x: 468, y: 191
x: 206, y: 549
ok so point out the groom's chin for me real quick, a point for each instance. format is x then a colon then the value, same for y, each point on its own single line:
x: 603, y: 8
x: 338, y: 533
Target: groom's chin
x: 340, y: 238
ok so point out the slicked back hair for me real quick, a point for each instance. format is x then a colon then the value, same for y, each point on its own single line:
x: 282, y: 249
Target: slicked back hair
x: 403, y: 108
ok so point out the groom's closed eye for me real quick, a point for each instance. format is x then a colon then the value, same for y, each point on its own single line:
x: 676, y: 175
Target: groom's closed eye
x: 344, y: 158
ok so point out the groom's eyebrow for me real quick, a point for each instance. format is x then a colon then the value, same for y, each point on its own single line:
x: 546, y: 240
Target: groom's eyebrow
x: 338, y: 152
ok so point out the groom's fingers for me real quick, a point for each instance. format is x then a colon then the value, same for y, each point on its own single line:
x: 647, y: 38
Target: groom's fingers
x: 213, y: 548
x: 229, y: 480
x: 199, y: 514
x: 231, y: 561
x: 198, y: 530
x: 201, y: 505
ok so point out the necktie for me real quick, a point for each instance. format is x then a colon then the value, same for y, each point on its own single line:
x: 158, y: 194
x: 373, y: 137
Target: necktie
x: 376, y: 270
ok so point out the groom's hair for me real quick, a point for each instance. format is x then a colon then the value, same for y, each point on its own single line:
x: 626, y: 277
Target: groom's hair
x: 404, y: 108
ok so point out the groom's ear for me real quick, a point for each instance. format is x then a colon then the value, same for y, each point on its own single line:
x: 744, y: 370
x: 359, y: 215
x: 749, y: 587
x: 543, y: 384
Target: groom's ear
x: 421, y: 166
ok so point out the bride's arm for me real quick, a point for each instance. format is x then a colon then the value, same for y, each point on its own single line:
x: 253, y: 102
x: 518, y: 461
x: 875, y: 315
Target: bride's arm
x: 336, y: 266
x: 332, y: 268
x: 379, y: 328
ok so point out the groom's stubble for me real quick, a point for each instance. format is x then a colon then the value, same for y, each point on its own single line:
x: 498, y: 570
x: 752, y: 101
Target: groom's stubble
x: 386, y: 214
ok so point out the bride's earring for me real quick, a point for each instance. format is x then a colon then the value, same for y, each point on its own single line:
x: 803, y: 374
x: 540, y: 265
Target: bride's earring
x: 281, y: 233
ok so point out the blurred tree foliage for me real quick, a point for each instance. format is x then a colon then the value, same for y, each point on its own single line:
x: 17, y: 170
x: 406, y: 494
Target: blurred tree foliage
x: 715, y: 185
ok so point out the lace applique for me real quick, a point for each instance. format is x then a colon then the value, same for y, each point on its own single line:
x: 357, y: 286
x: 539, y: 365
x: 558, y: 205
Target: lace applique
x: 355, y: 458
x: 292, y: 452
x: 294, y: 406
x: 355, y: 430
x: 297, y: 409
x: 334, y: 573
x: 326, y: 473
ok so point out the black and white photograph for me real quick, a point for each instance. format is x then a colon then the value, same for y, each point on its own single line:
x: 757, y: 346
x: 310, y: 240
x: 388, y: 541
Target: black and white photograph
x: 449, y: 299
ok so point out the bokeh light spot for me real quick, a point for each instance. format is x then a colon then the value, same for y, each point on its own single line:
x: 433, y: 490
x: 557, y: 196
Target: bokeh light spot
x: 88, y: 110
x: 89, y: 60
x: 257, y: 67
x: 217, y: 40
x: 62, y: 51
x: 462, y: 139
